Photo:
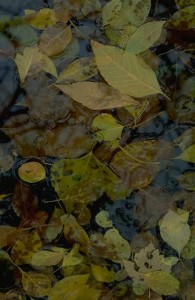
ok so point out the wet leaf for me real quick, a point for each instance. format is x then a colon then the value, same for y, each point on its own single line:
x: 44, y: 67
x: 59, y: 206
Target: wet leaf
x: 28, y: 63
x: 102, y: 219
x: 54, y: 40
x: 186, y: 139
x: 36, y: 284
x: 188, y: 154
x: 102, y: 274
x: 120, y: 37
x: 187, y: 181
x: 111, y: 11
x: 66, y: 286
x: 24, y: 249
x: 183, y: 19
x: 162, y: 282
x: 49, y: 66
x: 31, y: 172
x: 90, y: 6
x: 79, y: 70
x: 96, y: 95
x: 189, y: 250
x: 5, y: 232
x: 41, y: 19
x: 174, y: 230
x: 108, y: 128
x: 74, y: 233
x: 73, y: 258
x: 55, y: 226
x: 25, y: 35
x: 125, y: 71
x: 6, y: 162
x: 44, y: 258
x: 183, y: 3
x: 145, y: 36
x: 132, y: 12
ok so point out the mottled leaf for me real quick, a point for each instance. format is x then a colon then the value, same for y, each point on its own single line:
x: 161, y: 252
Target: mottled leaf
x: 184, y: 3
x: 36, y: 284
x: 111, y: 11
x: 102, y: 274
x: 41, y: 19
x: 183, y: 19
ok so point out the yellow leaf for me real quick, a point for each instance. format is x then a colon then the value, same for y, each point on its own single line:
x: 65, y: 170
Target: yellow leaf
x: 31, y: 172
x: 84, y: 293
x: 74, y: 233
x: 162, y: 282
x: 188, y: 154
x: 2, y: 196
x: 111, y: 11
x: 36, y: 284
x: 24, y: 248
x: 62, y: 288
x: 183, y: 19
x: 54, y: 40
x: 174, y: 230
x: 41, y: 19
x: 55, y: 225
x: 49, y: 66
x: 108, y: 128
x: 102, y: 274
x: 28, y: 63
x: 145, y: 36
x: 96, y: 95
x: 73, y: 258
x: 44, y: 258
x: 102, y: 219
x: 79, y: 70
x: 125, y: 71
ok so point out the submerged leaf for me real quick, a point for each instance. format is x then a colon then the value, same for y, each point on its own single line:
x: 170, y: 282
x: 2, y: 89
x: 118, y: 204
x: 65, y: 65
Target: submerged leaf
x: 125, y: 71
x: 145, y: 36
x: 96, y: 95
x: 174, y: 230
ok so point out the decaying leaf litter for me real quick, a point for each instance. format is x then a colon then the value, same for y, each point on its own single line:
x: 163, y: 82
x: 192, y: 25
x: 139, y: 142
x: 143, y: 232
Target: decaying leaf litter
x: 100, y: 152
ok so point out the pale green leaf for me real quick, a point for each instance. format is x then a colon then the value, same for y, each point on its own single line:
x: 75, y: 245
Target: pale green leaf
x: 96, y: 95
x: 162, y: 282
x: 102, y: 219
x: 111, y: 11
x: 145, y: 36
x: 125, y: 71
x: 188, y: 154
x: 174, y: 230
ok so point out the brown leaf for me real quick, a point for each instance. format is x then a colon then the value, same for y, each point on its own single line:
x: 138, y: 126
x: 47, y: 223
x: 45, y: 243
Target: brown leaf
x: 5, y: 233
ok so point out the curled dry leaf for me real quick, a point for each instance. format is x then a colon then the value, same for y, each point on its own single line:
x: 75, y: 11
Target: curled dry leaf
x: 54, y: 40
x: 125, y: 71
x: 96, y: 95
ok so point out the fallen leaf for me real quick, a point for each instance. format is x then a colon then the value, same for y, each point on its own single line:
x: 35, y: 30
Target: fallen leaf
x: 174, y: 230
x: 41, y: 19
x: 188, y: 154
x: 36, y: 284
x: 23, y: 34
x: 186, y: 139
x: 102, y: 219
x: 162, y: 282
x: 28, y: 63
x: 108, y: 128
x: 145, y: 36
x: 44, y: 258
x: 73, y: 258
x: 183, y: 3
x: 54, y: 40
x: 49, y: 66
x: 111, y: 11
x: 102, y: 274
x: 188, y: 251
x: 31, y: 172
x: 125, y: 71
x: 79, y: 70
x: 90, y: 6
x: 55, y: 226
x: 96, y: 95
x: 187, y: 181
x: 183, y: 19
x: 5, y: 232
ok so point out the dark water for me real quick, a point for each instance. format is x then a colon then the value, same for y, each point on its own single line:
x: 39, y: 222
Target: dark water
x: 162, y: 127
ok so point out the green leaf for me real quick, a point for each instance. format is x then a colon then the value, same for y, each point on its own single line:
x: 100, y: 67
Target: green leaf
x: 183, y: 19
x: 188, y: 154
x: 184, y: 3
x: 96, y: 95
x: 145, y: 36
x: 125, y: 71
x: 111, y: 11
x: 162, y: 282
x: 102, y: 219
x: 108, y: 128
x: 174, y: 230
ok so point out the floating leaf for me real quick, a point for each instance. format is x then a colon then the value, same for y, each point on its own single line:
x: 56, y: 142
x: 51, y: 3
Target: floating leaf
x: 54, y: 40
x: 66, y: 286
x: 96, y: 95
x: 174, y: 230
x: 24, y: 249
x: 44, y: 258
x: 102, y: 219
x: 28, y: 63
x: 111, y: 11
x: 74, y: 233
x: 108, y: 128
x: 188, y: 154
x: 187, y: 181
x: 125, y: 71
x: 31, y: 172
x: 79, y: 70
x: 41, y: 19
x: 102, y: 274
x: 36, y: 284
x: 184, y: 3
x: 145, y: 36
x: 183, y: 19
x: 162, y: 282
